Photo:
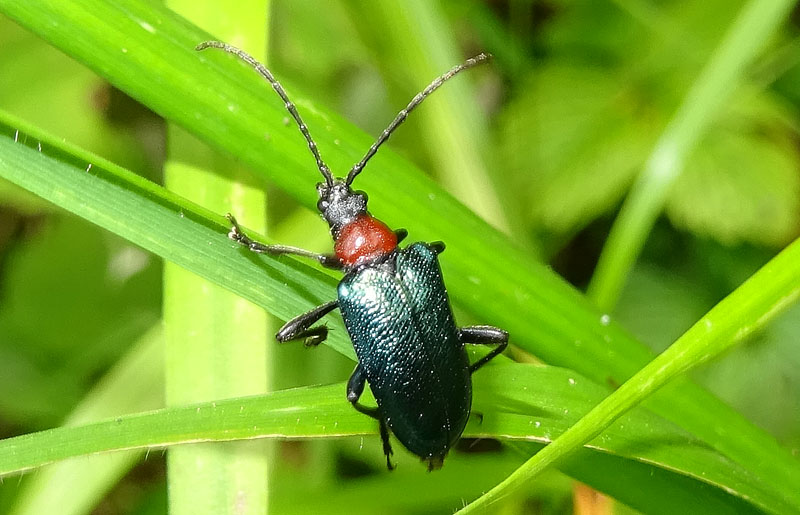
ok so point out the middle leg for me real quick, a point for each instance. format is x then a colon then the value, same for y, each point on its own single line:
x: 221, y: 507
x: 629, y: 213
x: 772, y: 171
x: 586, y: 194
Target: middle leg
x: 355, y: 387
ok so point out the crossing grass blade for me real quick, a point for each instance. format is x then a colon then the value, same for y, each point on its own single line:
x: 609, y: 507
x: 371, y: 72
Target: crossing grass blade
x: 673, y: 461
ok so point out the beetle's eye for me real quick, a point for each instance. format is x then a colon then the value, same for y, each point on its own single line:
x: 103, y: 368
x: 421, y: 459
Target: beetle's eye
x: 322, y: 204
x: 362, y: 194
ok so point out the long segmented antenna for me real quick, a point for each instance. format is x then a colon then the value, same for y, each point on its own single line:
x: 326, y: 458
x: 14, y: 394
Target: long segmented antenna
x: 402, y: 115
x: 261, y: 69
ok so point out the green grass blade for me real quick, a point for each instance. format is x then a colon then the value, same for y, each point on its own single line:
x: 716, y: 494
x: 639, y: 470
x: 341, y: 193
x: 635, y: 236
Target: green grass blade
x: 637, y: 439
x: 747, y: 36
x: 560, y: 398
x: 160, y: 222
x: 767, y: 293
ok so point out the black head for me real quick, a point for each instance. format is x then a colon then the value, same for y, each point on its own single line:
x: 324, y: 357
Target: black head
x: 339, y: 204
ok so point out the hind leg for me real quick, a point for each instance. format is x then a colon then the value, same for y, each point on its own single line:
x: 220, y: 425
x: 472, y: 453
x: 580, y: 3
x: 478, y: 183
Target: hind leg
x: 483, y: 335
x: 355, y: 387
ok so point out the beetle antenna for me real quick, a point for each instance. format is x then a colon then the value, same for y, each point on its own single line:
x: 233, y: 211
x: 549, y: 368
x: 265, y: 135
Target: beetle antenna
x: 261, y: 69
x: 402, y: 115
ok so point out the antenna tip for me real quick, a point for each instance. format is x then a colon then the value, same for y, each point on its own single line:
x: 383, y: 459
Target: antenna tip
x: 206, y: 44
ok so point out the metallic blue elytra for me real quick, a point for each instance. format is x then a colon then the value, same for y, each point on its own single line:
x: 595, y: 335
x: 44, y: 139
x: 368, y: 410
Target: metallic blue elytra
x: 394, y: 304
x: 399, y: 319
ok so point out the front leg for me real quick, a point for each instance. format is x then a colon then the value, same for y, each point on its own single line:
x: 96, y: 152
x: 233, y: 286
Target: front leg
x: 400, y: 234
x: 300, y: 326
x: 355, y: 387
x: 237, y: 235
x: 483, y: 335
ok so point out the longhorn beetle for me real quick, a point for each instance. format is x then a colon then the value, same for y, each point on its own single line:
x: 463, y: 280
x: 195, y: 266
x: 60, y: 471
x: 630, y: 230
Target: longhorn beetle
x: 393, y: 302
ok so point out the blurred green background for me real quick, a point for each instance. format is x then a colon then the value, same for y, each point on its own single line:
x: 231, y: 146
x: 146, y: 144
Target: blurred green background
x: 566, y: 116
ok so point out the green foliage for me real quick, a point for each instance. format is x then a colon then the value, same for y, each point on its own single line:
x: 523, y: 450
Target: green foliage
x: 567, y: 169
x: 595, y: 105
x: 742, y: 185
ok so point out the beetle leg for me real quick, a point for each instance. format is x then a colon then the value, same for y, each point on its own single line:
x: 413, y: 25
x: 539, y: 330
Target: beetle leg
x: 356, y: 384
x: 387, y: 447
x: 437, y: 247
x: 484, y: 335
x: 300, y: 326
x: 237, y: 235
x: 355, y: 387
x: 400, y: 234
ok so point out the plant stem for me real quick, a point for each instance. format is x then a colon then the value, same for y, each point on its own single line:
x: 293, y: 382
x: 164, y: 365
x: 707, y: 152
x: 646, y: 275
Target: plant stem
x: 216, y: 342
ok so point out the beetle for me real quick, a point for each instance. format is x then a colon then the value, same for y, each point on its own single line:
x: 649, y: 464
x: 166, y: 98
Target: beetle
x: 393, y: 302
